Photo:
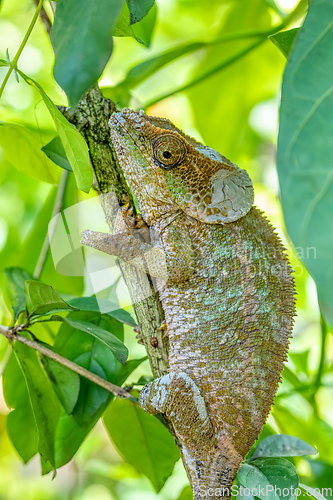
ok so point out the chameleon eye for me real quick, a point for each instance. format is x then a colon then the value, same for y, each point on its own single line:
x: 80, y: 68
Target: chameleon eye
x: 168, y: 150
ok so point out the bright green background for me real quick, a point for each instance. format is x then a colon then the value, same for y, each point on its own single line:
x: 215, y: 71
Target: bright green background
x: 234, y: 111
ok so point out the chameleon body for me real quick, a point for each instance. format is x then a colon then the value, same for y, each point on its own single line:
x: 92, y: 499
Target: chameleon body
x: 225, y: 286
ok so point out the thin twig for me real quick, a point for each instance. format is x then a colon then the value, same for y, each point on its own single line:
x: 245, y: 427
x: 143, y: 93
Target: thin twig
x: 114, y: 389
x: 56, y: 209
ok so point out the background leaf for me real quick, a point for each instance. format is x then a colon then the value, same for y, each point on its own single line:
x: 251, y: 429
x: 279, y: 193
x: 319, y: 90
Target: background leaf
x: 22, y: 149
x: 305, y: 154
x: 143, y: 441
x: 82, y: 42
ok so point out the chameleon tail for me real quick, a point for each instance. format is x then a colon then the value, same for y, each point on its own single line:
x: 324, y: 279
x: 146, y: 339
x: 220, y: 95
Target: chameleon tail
x: 211, y: 467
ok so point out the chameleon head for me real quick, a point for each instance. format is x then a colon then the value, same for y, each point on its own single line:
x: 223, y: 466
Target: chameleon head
x: 173, y: 169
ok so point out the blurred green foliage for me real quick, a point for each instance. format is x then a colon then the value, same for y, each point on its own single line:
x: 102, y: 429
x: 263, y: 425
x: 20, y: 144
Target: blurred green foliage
x: 230, y: 103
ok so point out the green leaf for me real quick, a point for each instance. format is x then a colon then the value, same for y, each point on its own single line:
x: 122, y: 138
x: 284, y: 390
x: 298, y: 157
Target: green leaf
x: 139, y: 9
x: 82, y: 42
x: 65, y: 382
x: 304, y: 154
x: 266, y: 474
x: 114, y: 344
x: 3, y: 62
x: 104, y: 306
x: 43, y: 298
x: 142, y: 440
x: 16, y: 278
x: 45, y: 405
x: 56, y: 152
x: 75, y: 146
x: 143, y: 30
x: 282, y: 445
x: 284, y: 40
x: 21, y: 426
x: 186, y: 494
x: 95, y: 356
x: 21, y: 148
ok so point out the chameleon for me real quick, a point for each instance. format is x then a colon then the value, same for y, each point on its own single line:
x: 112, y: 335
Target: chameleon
x: 226, y: 288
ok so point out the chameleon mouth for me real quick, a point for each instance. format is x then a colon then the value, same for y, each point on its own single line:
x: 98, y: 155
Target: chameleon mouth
x: 130, y: 123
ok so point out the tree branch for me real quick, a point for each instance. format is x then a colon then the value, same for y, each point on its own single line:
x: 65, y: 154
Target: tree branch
x: 12, y: 336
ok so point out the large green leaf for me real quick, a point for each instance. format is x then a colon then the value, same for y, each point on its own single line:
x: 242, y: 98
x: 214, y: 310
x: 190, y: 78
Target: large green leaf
x: 74, y: 145
x: 119, y: 350
x: 82, y: 41
x: 21, y: 425
x: 16, y: 277
x: 139, y: 9
x: 43, y: 298
x: 143, y: 441
x: 282, y: 445
x: 21, y: 147
x: 45, y: 405
x: 266, y: 474
x: 305, y: 153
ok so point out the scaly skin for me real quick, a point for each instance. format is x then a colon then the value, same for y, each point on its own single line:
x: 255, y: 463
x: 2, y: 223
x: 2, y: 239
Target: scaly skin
x: 225, y: 286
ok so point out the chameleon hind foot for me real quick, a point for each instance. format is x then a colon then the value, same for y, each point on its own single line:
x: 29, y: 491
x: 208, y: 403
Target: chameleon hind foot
x: 178, y: 397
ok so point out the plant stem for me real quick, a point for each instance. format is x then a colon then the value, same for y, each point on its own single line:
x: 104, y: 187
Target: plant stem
x: 324, y: 331
x: 56, y: 209
x: 13, y: 63
x: 114, y: 389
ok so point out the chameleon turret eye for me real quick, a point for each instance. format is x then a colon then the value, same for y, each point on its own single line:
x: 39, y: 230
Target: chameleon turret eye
x: 169, y: 150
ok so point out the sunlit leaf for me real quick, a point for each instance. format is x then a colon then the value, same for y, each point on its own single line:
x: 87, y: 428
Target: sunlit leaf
x: 74, y: 145
x: 304, y: 155
x: 82, y: 42
x: 142, y: 440
x: 21, y: 147
x: 43, y: 298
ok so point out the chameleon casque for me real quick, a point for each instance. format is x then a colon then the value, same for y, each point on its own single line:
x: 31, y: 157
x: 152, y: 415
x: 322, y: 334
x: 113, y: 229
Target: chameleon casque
x: 225, y: 285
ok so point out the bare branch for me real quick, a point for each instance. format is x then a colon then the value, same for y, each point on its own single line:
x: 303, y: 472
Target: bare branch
x: 12, y: 336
